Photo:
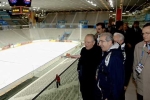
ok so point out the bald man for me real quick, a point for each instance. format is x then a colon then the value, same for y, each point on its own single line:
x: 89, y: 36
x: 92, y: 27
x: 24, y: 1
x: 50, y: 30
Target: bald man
x: 89, y: 60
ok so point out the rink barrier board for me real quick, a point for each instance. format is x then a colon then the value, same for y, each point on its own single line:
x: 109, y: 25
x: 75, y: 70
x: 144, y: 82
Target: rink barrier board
x: 24, y: 43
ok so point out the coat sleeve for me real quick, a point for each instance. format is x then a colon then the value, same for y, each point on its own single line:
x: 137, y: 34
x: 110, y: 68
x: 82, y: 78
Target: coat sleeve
x: 98, y: 56
x: 128, y: 65
x: 78, y: 66
x: 135, y: 63
x: 116, y: 75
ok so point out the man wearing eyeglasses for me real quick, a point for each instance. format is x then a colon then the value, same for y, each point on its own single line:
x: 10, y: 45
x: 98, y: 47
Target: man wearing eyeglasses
x: 141, y: 66
x: 110, y: 74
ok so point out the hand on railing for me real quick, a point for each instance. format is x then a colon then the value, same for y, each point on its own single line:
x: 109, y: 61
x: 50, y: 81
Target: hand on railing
x: 73, y: 56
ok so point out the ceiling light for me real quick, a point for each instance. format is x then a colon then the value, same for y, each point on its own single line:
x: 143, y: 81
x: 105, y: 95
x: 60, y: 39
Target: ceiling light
x: 133, y: 13
x: 114, y: 14
x: 123, y: 13
x: 94, y: 4
x: 110, y: 11
x: 3, y: 5
x: 111, y: 3
x: 127, y: 11
x: 91, y: 2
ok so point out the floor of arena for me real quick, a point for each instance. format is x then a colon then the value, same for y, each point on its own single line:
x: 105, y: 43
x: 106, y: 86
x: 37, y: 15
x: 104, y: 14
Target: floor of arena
x: 17, y: 62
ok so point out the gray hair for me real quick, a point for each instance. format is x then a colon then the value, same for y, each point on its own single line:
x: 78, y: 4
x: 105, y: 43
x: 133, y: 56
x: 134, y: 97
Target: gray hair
x: 108, y: 36
x: 121, y: 37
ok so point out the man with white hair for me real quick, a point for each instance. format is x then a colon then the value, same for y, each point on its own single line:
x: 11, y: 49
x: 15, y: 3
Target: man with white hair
x: 127, y: 53
x: 119, y: 39
x: 110, y: 79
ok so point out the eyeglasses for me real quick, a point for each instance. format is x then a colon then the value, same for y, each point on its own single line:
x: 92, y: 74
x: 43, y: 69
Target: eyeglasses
x: 145, y: 33
x: 101, y: 41
x: 87, y: 42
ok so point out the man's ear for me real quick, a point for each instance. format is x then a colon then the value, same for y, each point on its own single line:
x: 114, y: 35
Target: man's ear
x: 121, y: 41
x: 104, y: 29
x: 110, y: 42
x: 93, y: 42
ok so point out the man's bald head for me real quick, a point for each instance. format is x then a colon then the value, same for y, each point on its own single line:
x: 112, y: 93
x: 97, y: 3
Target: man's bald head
x: 89, y: 41
x: 90, y: 36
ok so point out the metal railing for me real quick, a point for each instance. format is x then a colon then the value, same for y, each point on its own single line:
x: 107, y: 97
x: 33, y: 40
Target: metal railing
x: 52, y: 82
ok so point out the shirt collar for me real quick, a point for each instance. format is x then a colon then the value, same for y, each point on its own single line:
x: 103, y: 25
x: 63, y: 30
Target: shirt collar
x: 148, y: 46
x: 115, y: 46
x: 123, y: 46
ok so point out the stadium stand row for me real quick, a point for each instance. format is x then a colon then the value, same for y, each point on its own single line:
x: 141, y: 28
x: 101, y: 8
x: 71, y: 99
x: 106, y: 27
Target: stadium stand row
x: 22, y: 35
x: 75, y: 17
x: 7, y: 19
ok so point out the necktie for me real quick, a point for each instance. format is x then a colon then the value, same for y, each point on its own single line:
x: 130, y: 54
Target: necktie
x: 148, y: 45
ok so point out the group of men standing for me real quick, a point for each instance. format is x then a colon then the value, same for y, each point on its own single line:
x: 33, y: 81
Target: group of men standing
x: 106, y: 62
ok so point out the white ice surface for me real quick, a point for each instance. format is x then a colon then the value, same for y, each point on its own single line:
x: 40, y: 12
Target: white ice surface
x: 17, y: 62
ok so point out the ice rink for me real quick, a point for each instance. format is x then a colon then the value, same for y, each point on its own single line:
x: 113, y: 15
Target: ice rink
x: 17, y: 62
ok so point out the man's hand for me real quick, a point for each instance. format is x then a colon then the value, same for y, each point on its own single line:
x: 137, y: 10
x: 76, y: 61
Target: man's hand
x: 72, y: 56
x: 95, y: 77
x: 68, y: 55
x: 125, y: 87
x: 129, y: 45
x: 134, y: 82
